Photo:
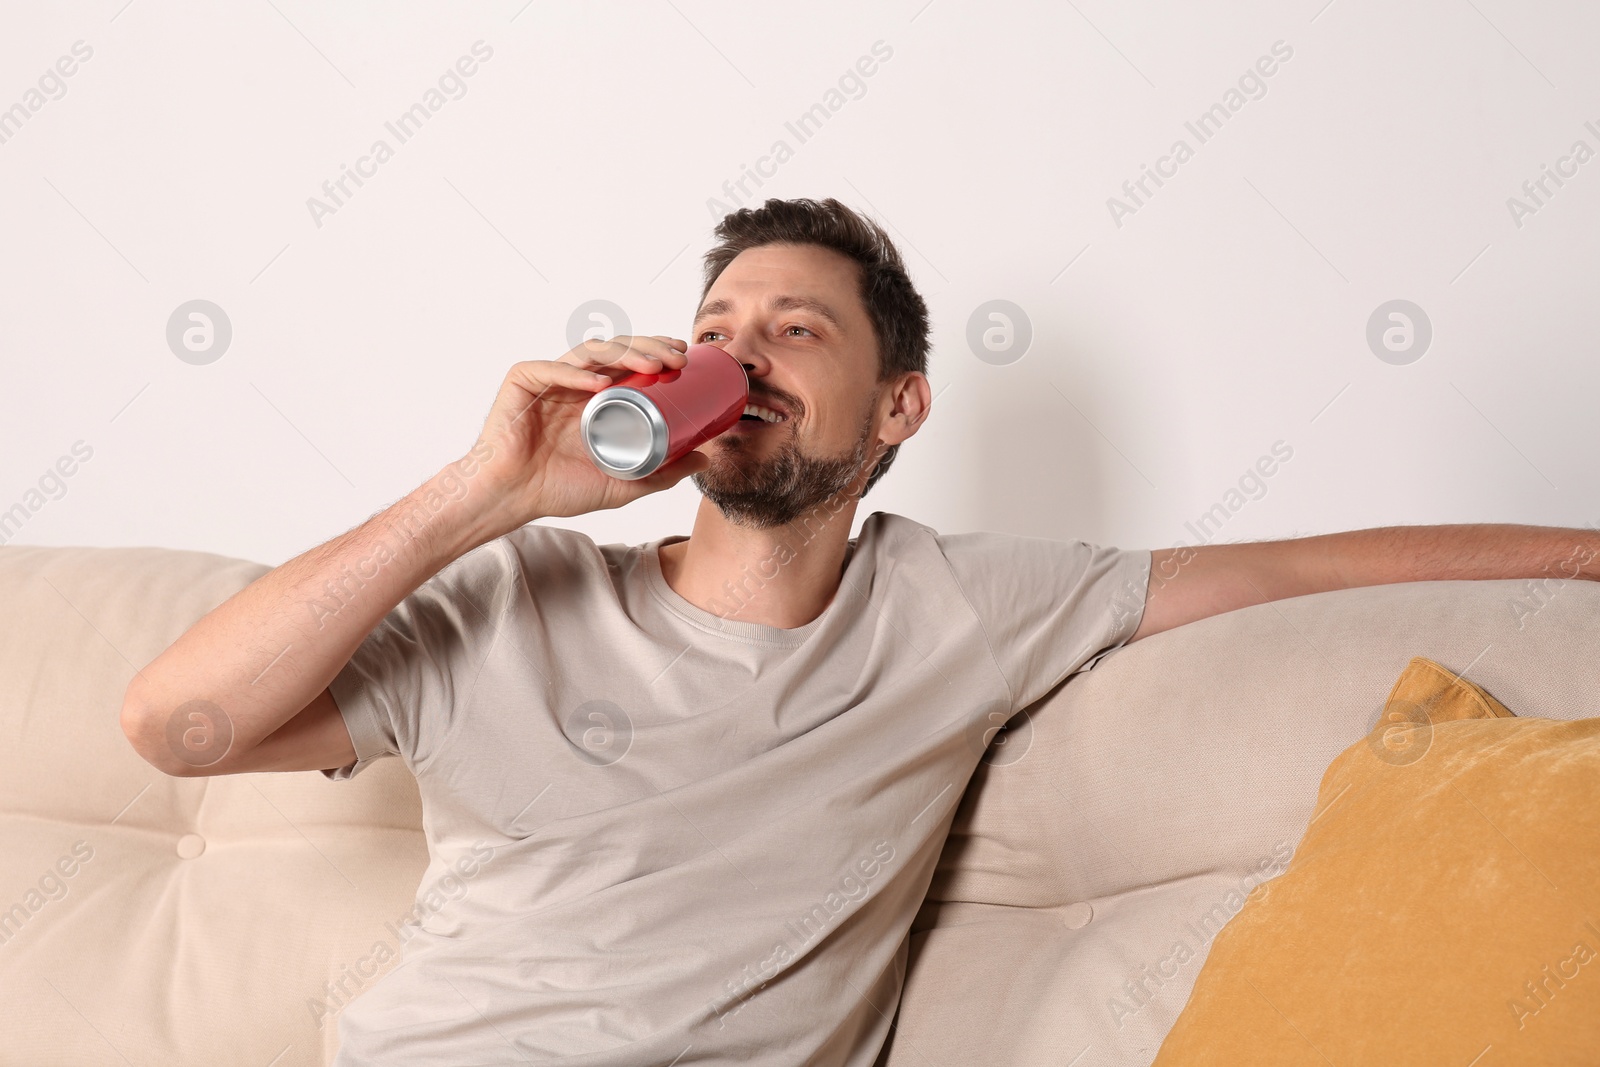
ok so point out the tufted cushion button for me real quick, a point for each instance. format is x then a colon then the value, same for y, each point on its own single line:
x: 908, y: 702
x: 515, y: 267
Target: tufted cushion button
x: 190, y: 846
x: 1077, y: 916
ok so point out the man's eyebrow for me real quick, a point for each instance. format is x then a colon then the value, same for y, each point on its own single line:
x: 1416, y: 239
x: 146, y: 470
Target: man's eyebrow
x: 777, y: 303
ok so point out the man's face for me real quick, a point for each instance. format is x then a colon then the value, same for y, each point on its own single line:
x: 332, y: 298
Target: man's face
x: 792, y: 316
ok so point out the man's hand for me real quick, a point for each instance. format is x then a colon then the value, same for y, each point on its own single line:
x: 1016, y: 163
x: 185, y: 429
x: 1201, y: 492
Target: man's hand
x: 537, y: 465
x: 1194, y: 582
x: 246, y: 687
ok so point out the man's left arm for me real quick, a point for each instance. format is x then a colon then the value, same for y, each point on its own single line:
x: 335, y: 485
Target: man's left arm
x: 1193, y: 582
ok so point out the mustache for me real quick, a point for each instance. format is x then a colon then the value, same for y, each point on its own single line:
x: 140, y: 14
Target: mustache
x: 769, y: 398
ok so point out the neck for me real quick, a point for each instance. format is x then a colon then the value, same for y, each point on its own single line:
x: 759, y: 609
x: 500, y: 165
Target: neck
x: 782, y: 576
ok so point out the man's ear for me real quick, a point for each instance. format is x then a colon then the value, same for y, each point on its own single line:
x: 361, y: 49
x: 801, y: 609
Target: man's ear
x: 909, y: 400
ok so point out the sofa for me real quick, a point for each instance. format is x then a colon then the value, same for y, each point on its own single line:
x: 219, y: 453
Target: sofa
x: 148, y: 920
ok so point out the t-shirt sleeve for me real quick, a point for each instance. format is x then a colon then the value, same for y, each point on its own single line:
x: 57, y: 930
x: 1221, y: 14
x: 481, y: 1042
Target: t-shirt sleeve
x: 1050, y: 608
x: 410, y: 678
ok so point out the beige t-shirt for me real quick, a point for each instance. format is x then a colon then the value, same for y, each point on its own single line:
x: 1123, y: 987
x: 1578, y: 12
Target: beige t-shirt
x: 692, y: 839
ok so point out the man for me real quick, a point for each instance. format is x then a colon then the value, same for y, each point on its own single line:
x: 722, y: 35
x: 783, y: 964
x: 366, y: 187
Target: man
x: 695, y: 788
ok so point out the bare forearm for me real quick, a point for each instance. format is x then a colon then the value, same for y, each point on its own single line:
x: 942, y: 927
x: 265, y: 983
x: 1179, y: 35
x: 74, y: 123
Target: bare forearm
x: 265, y: 653
x: 1467, y: 551
x: 1193, y: 582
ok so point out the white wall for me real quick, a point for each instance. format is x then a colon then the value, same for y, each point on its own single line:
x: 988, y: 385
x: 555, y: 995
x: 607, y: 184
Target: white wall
x: 1223, y: 314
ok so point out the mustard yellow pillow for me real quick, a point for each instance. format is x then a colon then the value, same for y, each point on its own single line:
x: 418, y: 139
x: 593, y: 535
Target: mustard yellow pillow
x: 1443, y: 906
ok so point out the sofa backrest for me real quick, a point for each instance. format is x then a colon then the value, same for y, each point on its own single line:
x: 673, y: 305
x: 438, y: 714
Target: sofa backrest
x: 1120, y: 821
x: 202, y: 920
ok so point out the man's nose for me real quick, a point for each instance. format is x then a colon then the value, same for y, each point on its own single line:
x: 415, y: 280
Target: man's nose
x: 756, y: 364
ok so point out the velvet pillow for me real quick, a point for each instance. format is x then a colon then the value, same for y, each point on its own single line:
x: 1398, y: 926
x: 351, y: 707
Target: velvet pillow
x: 1443, y: 906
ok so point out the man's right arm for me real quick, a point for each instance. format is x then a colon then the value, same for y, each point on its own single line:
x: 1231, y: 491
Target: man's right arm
x: 248, y: 683
x: 246, y: 687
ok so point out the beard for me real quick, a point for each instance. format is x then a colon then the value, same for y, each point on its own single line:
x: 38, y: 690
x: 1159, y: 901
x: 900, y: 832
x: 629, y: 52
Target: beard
x: 777, y: 489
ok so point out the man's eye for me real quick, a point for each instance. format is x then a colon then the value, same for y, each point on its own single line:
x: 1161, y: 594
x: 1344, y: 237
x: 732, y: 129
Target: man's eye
x: 798, y: 328
x: 705, y: 334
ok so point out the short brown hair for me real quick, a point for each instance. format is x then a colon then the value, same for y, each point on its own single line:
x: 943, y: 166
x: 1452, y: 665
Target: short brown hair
x: 898, y: 314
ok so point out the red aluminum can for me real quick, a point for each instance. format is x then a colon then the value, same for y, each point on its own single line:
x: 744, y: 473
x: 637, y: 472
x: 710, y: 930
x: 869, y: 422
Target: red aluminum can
x: 643, y: 422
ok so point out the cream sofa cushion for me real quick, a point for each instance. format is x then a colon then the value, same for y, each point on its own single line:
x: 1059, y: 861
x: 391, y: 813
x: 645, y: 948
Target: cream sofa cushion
x: 211, y: 915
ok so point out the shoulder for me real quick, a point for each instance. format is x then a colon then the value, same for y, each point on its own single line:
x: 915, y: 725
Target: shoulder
x: 554, y: 561
x: 887, y: 528
x: 529, y: 554
x: 897, y: 534
x: 1037, y: 565
x: 537, y: 537
x: 965, y: 545
x: 480, y: 574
